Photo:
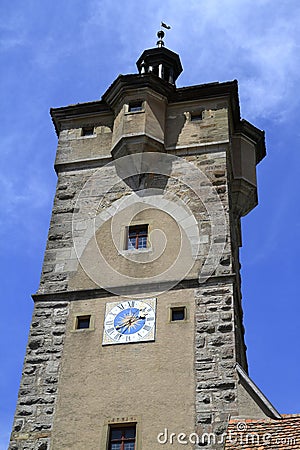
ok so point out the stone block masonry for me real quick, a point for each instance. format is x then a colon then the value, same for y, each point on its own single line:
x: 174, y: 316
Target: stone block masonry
x: 38, y: 391
x: 216, y: 380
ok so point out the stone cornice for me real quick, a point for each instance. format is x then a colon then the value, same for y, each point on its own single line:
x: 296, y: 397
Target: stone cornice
x: 87, y: 294
x: 79, y: 110
x: 132, y: 83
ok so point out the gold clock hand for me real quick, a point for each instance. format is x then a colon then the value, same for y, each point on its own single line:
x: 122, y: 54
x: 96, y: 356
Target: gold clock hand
x: 130, y: 321
x: 123, y: 325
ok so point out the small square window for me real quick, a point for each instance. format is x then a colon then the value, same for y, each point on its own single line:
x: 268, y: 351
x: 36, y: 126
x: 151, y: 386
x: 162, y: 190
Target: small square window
x: 178, y: 313
x: 87, y: 131
x: 135, y: 106
x: 122, y: 437
x: 137, y: 237
x: 196, y: 116
x: 83, y: 322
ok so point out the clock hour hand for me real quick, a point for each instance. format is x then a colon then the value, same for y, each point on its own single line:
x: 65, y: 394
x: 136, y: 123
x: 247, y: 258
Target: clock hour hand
x: 131, y: 320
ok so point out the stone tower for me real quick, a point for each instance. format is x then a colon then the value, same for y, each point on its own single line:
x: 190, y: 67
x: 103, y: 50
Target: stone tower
x: 137, y: 337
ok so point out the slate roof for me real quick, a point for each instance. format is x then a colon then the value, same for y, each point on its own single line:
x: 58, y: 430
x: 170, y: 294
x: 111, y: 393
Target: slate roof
x: 264, y: 434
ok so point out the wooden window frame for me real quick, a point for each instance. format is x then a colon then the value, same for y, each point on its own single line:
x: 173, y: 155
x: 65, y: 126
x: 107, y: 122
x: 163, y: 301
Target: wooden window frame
x: 123, y: 440
x: 138, y: 235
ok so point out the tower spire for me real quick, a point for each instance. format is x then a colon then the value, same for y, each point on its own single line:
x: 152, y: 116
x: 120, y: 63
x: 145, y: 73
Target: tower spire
x: 160, y: 61
x: 160, y: 43
x: 161, y: 34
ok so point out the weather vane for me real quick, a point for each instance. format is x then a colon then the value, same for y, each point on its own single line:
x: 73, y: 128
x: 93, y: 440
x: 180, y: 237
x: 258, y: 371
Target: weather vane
x: 164, y: 25
x: 161, y: 33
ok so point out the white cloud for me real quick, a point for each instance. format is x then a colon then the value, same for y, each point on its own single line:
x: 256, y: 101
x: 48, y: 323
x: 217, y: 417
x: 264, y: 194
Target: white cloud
x: 253, y: 41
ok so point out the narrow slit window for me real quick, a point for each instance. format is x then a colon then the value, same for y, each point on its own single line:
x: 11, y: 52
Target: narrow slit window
x: 83, y: 322
x: 87, y: 131
x: 178, y: 313
x: 196, y: 116
x: 122, y: 437
x: 135, y: 106
x: 137, y: 237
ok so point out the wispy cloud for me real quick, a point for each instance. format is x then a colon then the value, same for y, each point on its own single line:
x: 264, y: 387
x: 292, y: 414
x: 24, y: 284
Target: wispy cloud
x: 12, y: 32
x: 251, y: 41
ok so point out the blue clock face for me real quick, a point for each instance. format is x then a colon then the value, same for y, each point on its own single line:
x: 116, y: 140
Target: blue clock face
x: 129, y: 321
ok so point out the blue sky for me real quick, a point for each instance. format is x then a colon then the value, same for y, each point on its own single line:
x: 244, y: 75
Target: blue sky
x: 58, y: 53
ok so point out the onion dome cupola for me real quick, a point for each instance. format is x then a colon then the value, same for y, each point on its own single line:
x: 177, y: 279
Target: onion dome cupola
x: 160, y: 61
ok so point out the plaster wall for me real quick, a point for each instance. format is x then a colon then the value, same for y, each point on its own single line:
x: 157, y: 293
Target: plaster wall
x: 62, y: 271
x: 152, y: 383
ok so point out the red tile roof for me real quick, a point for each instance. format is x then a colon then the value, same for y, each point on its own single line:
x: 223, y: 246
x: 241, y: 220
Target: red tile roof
x: 264, y: 434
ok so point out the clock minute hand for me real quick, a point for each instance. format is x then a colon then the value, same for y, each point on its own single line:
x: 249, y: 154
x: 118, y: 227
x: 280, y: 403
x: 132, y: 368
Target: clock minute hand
x: 126, y: 324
